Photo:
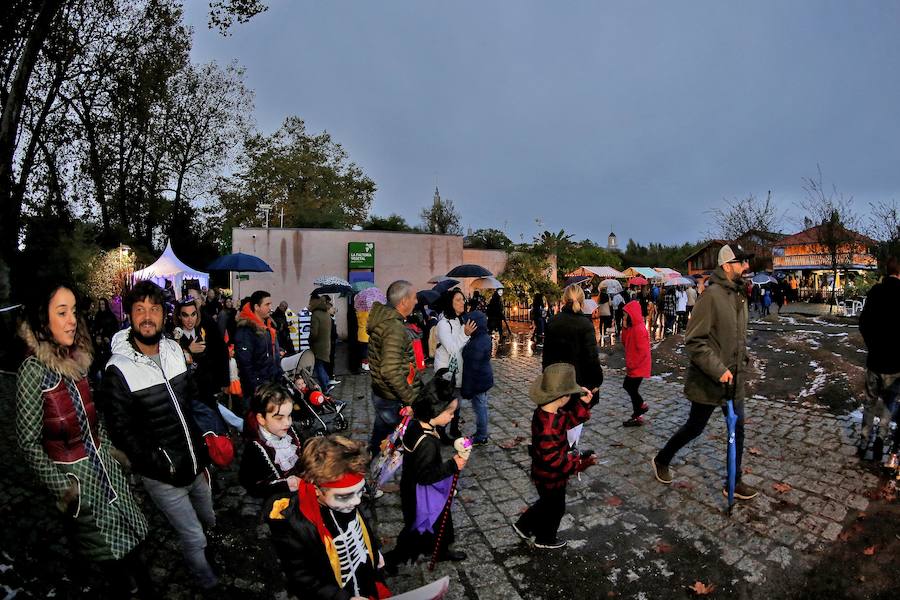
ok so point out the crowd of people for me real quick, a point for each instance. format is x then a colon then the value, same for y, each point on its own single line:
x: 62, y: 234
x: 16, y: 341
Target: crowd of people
x: 155, y: 395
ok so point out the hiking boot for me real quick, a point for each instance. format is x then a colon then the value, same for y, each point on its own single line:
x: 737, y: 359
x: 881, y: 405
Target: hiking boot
x: 551, y: 545
x: 742, y: 491
x: 633, y: 422
x: 521, y: 532
x: 661, y: 472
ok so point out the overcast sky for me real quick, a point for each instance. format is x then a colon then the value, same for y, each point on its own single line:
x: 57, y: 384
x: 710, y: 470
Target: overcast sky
x: 636, y: 116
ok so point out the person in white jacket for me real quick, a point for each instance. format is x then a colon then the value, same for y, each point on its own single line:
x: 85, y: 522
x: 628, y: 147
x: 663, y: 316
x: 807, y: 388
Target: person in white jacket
x: 452, y: 337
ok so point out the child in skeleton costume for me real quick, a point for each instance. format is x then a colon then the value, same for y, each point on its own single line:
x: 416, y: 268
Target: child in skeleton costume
x: 426, y: 479
x: 271, y: 462
x: 323, y: 540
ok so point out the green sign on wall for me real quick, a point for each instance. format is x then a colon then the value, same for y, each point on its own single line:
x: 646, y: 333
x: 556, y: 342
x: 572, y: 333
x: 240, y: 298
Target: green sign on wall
x: 361, y: 255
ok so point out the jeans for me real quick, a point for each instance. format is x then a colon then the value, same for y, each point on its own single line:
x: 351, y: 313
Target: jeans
x: 480, y: 406
x: 696, y: 423
x: 882, y: 395
x: 542, y: 518
x: 188, y: 509
x: 320, y: 372
x: 631, y: 385
x: 387, y: 417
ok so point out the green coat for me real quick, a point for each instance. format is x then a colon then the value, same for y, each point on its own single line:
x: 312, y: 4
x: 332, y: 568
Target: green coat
x: 320, y: 330
x: 391, y: 356
x: 104, y: 530
x: 716, y: 340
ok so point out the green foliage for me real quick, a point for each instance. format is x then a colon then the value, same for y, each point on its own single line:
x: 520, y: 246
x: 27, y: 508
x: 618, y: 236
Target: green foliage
x: 585, y: 253
x: 489, y: 239
x: 658, y: 255
x: 553, y: 243
x: 309, y: 176
x: 391, y: 222
x: 526, y: 274
x: 58, y: 248
x: 442, y: 217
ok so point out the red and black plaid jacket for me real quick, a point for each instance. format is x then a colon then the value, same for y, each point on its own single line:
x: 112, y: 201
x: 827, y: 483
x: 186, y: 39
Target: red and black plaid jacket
x: 551, y: 462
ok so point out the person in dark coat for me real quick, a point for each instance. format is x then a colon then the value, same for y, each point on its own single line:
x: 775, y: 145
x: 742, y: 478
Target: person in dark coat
x: 561, y: 405
x: 256, y: 344
x: 879, y: 324
x: 478, y: 376
x: 570, y: 338
x: 322, y: 535
x: 104, y: 326
x: 282, y: 328
x: 539, y: 318
x: 204, y: 350
x: 496, y: 316
x: 271, y: 464
x: 426, y: 472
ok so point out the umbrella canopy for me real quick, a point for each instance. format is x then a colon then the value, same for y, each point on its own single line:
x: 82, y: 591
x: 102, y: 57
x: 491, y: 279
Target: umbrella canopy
x: 603, y: 272
x: 645, y: 272
x: 469, y: 271
x: 680, y: 281
x: 239, y: 262
x: 343, y: 290
x: 667, y: 273
x: 763, y: 278
x: 363, y: 285
x: 612, y: 286
x: 438, y: 279
x: 366, y: 298
x: 576, y: 279
x: 637, y: 281
x: 330, y: 280
x: 445, y: 285
x: 428, y: 297
x: 486, y: 283
x: 589, y: 307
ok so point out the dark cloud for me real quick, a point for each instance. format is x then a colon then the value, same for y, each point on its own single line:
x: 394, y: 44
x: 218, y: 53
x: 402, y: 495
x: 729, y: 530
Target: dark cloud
x: 637, y: 116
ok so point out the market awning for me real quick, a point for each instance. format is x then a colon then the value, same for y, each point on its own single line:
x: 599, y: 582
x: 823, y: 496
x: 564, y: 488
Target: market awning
x: 602, y: 272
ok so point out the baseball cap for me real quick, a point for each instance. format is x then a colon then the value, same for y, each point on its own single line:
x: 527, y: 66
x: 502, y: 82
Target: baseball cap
x: 733, y: 253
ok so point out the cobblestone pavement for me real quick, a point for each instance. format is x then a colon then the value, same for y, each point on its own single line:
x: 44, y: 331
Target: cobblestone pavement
x: 629, y: 536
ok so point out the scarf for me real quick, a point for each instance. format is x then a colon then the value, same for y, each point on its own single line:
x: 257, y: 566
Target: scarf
x: 248, y: 314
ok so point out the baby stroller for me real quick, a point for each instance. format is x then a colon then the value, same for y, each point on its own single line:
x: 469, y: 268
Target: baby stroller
x: 315, y: 413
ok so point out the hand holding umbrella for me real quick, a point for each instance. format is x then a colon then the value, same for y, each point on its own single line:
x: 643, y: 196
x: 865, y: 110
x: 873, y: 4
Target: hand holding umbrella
x: 463, y: 448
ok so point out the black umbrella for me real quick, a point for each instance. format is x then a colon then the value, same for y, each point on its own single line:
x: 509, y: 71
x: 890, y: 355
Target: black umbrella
x: 443, y: 286
x: 240, y: 262
x: 469, y: 271
x: 343, y: 290
x: 428, y: 297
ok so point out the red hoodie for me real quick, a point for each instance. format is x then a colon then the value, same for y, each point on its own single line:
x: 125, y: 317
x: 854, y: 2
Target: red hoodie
x: 636, y: 342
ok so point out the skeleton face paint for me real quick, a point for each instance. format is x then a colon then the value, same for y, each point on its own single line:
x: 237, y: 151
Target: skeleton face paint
x: 342, y: 500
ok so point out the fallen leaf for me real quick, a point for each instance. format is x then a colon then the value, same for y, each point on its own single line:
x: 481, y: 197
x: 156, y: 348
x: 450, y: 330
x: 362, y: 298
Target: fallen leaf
x: 511, y: 443
x: 754, y: 451
x: 683, y: 485
x: 614, y: 501
x: 862, y: 578
x: 662, y: 548
x: 617, y: 445
x: 782, y: 487
x: 746, y: 470
x: 870, y: 551
x: 701, y: 589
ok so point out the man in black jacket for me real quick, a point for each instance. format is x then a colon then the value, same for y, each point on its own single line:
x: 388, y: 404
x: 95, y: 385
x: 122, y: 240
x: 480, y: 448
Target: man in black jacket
x: 879, y: 325
x: 146, y: 399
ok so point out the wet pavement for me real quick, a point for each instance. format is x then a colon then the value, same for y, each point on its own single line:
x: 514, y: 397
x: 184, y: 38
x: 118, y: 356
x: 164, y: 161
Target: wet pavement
x: 808, y: 534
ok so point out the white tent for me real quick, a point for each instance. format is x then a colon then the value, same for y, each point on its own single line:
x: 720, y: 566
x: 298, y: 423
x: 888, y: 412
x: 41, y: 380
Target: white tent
x: 168, y: 266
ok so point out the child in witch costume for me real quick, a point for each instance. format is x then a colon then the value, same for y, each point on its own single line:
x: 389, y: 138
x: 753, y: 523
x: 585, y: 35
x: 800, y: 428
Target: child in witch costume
x: 271, y: 462
x: 637, y: 360
x: 426, y: 480
x: 324, y: 541
x: 562, y: 404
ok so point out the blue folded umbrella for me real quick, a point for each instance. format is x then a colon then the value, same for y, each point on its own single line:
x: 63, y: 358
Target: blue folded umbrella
x: 731, y: 422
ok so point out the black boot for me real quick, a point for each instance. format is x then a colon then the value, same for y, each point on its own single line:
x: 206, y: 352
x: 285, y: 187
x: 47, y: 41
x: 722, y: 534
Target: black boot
x: 878, y: 450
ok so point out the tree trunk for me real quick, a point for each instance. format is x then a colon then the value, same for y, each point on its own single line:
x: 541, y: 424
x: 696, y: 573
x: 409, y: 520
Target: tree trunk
x: 10, y: 209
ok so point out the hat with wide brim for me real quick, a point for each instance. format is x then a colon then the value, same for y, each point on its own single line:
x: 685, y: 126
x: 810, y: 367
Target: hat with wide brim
x: 556, y: 381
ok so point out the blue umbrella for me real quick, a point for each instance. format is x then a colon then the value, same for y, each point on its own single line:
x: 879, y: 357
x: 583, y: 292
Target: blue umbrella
x: 469, y: 271
x: 731, y: 422
x: 239, y: 262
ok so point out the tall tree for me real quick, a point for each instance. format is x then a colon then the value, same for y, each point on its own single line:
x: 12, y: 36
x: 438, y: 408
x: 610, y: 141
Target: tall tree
x: 442, y: 217
x: 834, y: 219
x: 884, y: 228
x: 737, y: 217
x: 489, y: 239
x: 310, y: 177
x: 392, y: 222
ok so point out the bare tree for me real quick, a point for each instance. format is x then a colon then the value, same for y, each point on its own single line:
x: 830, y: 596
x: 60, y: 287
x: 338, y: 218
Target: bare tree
x: 884, y: 228
x: 834, y: 219
x: 738, y: 216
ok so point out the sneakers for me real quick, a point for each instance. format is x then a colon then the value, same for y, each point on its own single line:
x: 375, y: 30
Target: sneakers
x: 365, y: 366
x: 484, y: 442
x: 521, y: 533
x: 644, y: 408
x: 555, y: 544
x: 661, y: 472
x: 634, y: 422
x: 333, y: 382
x: 742, y: 491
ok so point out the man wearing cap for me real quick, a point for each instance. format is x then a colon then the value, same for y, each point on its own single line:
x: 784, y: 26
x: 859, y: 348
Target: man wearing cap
x: 715, y: 342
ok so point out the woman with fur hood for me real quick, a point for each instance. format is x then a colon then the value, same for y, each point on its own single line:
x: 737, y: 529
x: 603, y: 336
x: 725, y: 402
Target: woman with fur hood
x: 65, y: 443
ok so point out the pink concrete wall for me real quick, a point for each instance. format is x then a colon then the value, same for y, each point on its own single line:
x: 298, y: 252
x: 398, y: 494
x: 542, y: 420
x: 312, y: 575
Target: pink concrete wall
x: 298, y: 256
